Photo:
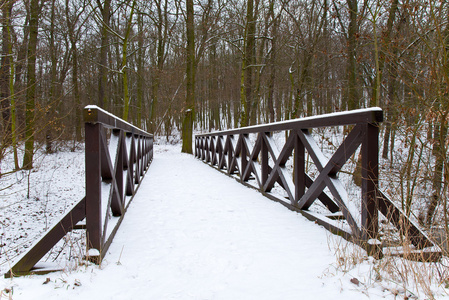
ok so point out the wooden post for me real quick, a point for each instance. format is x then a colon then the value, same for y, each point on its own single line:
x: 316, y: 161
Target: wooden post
x: 370, y: 174
x: 230, y: 154
x: 243, y: 156
x: 264, y: 160
x: 299, y: 168
x: 93, y: 185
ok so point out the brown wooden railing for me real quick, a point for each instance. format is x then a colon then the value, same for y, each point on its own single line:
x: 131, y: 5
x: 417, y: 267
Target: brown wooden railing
x: 121, y: 163
x: 257, y: 162
x: 117, y: 156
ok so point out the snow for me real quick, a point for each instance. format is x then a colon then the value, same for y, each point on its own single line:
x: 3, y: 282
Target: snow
x: 94, y: 107
x: 193, y: 233
x: 93, y: 252
x: 31, y: 201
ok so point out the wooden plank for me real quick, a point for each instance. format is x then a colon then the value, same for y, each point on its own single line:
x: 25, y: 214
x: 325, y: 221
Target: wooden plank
x: 299, y: 171
x: 93, y: 185
x: 130, y: 172
x: 208, y: 158
x: 370, y: 174
x: 264, y: 160
x: 243, y: 156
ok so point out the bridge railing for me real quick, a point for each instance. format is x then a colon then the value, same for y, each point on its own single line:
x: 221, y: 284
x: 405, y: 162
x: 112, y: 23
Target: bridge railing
x: 117, y: 155
x: 250, y: 154
x: 118, y: 165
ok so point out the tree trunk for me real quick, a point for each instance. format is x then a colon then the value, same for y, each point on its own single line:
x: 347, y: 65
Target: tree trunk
x: 246, y: 96
x: 51, y: 102
x: 272, y: 64
x: 440, y: 153
x: 31, y: 86
x: 124, y: 65
x: 162, y: 36
x: 352, y: 88
x: 103, y: 71
x: 189, y: 110
x: 12, y: 97
x: 6, y: 8
x: 140, y: 73
x: 71, y: 23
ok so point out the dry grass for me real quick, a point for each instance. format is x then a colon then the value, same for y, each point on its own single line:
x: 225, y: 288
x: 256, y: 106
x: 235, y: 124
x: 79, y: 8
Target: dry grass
x: 403, y: 278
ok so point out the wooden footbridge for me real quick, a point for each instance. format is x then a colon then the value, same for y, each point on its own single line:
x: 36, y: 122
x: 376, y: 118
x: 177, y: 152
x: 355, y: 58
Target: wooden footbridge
x: 118, y: 155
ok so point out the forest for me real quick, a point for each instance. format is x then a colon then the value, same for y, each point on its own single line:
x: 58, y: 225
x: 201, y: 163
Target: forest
x: 201, y: 65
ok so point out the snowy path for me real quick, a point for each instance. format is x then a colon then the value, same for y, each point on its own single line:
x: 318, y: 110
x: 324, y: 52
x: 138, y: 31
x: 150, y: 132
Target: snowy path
x: 193, y: 233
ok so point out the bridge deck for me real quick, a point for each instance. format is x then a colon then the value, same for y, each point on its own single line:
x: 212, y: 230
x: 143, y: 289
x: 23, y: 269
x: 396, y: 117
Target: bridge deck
x: 193, y: 233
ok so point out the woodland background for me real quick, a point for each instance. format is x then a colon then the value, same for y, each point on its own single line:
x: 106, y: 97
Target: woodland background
x: 172, y: 66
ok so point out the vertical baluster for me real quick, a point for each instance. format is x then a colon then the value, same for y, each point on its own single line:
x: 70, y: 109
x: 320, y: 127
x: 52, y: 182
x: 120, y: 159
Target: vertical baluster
x: 264, y: 159
x: 299, y: 168
x: 243, y: 156
x: 230, y: 154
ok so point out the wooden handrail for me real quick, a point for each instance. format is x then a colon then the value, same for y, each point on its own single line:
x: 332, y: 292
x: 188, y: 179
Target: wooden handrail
x: 372, y: 115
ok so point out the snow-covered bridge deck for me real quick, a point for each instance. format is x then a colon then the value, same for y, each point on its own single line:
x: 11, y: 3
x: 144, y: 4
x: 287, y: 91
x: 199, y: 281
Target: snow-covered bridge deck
x: 192, y: 233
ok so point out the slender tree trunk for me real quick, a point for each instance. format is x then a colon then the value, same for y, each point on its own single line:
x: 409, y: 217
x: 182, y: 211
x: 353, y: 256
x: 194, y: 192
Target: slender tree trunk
x: 12, y: 98
x: 51, y: 104
x: 103, y: 72
x: 352, y: 88
x: 6, y: 8
x: 380, y: 51
x: 388, y: 112
x: 22, y: 55
x: 140, y: 73
x: 75, y: 70
x: 214, y: 95
x: 76, y: 91
x: 162, y: 36
x: 439, y: 151
x: 189, y: 112
x: 31, y: 86
x: 124, y: 65
x: 246, y: 95
x: 272, y: 63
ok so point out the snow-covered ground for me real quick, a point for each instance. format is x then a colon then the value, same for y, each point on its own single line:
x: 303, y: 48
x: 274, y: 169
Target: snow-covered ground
x: 31, y: 201
x: 193, y: 233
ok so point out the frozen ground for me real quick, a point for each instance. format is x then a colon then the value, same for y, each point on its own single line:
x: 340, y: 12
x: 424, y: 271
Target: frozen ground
x: 193, y: 233
x: 31, y: 201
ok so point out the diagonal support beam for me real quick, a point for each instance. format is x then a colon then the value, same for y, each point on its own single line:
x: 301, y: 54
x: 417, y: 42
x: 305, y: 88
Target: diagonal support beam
x: 252, y: 160
x: 327, y: 176
x: 279, y: 169
x: 343, y: 153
